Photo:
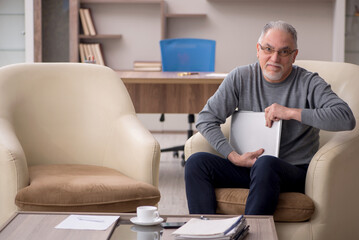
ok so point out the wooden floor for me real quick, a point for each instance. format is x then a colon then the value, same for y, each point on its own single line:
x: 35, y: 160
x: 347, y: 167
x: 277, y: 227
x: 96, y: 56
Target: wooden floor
x: 171, y: 183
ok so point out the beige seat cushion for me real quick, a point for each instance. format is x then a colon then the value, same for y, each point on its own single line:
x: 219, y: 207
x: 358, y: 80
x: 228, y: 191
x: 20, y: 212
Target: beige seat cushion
x: 79, y: 188
x: 292, y: 206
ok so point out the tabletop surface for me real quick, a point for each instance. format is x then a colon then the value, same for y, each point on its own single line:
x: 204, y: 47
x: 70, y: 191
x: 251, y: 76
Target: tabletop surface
x: 41, y: 225
x: 171, y: 77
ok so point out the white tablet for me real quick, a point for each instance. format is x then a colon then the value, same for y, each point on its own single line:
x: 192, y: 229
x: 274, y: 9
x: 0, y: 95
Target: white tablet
x: 249, y: 133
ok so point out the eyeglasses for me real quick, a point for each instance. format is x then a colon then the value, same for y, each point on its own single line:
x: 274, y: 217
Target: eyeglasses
x: 283, y: 52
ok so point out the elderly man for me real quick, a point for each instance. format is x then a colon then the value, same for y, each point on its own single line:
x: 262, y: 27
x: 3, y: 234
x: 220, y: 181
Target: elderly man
x: 302, y: 99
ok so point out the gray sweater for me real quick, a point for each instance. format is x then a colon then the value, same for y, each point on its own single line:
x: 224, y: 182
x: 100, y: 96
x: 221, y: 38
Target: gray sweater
x: 246, y: 89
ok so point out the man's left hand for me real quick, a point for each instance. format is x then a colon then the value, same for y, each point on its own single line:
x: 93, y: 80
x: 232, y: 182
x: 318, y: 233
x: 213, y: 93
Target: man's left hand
x: 276, y: 112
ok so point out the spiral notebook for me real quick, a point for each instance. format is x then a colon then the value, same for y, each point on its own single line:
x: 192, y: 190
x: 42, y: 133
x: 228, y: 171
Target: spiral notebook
x: 249, y: 133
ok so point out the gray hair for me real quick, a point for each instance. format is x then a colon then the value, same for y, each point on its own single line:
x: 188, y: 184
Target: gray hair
x: 281, y: 25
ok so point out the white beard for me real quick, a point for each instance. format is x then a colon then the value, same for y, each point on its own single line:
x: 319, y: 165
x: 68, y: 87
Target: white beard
x: 273, y: 76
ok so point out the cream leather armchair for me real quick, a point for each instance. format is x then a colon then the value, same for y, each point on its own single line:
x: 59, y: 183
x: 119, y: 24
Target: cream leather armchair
x: 332, y: 178
x: 70, y: 140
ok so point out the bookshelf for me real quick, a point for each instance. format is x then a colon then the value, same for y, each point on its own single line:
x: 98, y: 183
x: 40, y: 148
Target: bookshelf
x: 76, y: 36
x: 101, y: 36
x: 185, y: 15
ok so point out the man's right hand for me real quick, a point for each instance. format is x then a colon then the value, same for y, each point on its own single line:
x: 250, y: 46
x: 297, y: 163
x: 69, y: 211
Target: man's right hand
x: 246, y: 159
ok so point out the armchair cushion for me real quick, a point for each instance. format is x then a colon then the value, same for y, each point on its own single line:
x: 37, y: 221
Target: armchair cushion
x: 292, y: 206
x: 78, y: 188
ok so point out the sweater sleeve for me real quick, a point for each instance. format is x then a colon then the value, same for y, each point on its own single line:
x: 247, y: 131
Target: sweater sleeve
x: 326, y: 110
x: 220, y: 106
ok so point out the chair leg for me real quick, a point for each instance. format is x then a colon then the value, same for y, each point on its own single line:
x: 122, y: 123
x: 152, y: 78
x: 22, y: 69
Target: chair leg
x: 191, y: 120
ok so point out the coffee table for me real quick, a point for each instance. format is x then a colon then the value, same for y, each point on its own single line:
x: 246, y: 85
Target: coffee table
x: 40, y: 225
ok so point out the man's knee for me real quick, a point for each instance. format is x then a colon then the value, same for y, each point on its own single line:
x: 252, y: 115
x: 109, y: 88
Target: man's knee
x: 266, y: 165
x: 195, y: 162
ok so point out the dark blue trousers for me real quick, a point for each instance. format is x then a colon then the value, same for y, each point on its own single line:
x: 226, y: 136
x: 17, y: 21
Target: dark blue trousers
x: 265, y: 180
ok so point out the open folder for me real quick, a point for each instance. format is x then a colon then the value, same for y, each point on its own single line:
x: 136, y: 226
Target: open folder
x: 249, y: 133
x: 228, y: 228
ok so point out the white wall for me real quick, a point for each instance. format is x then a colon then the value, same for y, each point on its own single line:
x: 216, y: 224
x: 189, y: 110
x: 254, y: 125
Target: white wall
x: 235, y: 25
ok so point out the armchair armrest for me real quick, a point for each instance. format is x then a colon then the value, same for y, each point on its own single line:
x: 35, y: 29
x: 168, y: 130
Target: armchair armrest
x: 134, y: 151
x: 197, y: 143
x: 332, y: 184
x: 13, y: 170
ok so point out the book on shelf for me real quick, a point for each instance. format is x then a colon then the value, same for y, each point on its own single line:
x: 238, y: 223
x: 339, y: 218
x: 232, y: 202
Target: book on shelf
x: 85, y: 28
x: 91, y: 53
x: 147, y: 66
x: 229, y: 228
x: 98, y: 53
x: 87, y: 22
x: 82, y: 52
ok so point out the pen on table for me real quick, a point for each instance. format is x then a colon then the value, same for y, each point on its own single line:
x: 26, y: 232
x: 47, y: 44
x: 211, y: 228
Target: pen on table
x: 90, y: 219
x: 187, y: 73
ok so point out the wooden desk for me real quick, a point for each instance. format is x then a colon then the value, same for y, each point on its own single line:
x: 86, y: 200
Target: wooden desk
x: 167, y: 92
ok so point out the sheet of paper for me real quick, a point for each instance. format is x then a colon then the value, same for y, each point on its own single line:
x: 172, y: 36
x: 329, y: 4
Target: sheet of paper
x: 87, y: 222
x: 216, y: 74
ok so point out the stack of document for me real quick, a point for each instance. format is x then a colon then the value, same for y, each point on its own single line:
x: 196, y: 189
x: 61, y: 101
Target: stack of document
x: 230, y: 228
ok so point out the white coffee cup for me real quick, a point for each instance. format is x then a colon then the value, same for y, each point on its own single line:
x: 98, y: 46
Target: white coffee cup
x: 147, y: 236
x: 147, y: 214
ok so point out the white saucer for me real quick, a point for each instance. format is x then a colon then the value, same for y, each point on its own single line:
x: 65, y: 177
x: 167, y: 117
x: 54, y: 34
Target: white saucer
x: 155, y: 222
x: 154, y: 228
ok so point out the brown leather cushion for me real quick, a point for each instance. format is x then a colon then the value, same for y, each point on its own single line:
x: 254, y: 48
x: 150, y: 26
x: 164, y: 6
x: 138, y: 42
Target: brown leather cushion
x: 292, y: 206
x: 79, y: 188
